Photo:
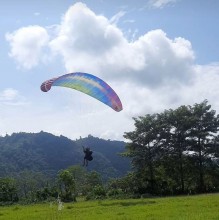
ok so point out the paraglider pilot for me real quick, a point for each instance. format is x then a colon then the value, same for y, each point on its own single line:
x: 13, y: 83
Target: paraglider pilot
x: 87, y: 155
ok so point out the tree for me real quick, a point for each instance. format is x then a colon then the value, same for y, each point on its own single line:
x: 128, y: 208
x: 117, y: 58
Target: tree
x: 28, y: 184
x: 67, y: 185
x: 145, y: 147
x: 79, y: 176
x: 93, y: 179
x: 203, y: 138
x: 124, y: 186
x: 176, y: 151
x: 93, y: 187
x: 8, y: 190
x: 180, y: 123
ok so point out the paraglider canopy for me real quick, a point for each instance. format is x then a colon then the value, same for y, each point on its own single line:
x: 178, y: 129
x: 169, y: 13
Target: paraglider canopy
x: 88, y: 84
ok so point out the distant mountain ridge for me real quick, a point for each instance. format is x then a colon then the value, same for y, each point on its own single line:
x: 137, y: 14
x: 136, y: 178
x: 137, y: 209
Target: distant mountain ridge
x: 47, y: 153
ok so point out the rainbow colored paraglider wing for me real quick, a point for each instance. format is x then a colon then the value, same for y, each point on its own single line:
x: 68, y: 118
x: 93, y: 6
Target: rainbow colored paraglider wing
x: 88, y: 84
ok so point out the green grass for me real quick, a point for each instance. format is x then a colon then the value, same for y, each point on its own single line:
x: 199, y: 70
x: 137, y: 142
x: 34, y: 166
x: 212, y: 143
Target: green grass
x: 200, y: 207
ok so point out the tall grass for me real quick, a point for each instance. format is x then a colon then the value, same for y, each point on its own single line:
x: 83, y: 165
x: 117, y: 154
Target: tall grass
x: 202, y: 207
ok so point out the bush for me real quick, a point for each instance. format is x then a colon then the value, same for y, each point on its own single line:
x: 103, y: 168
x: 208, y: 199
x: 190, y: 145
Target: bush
x: 98, y: 192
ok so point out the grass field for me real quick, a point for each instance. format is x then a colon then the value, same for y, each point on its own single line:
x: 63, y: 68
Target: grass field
x: 200, y: 207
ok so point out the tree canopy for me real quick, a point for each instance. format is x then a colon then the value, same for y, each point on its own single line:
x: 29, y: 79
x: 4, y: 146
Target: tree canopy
x: 176, y: 151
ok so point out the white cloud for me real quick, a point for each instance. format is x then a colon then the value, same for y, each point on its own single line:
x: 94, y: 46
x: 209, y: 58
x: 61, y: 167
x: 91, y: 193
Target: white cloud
x: 161, y: 3
x: 86, y: 38
x: 152, y: 59
x: 205, y: 86
x: 8, y: 94
x: 27, y: 45
x: 11, y: 96
x: 115, y: 19
x: 150, y: 73
x: 36, y: 13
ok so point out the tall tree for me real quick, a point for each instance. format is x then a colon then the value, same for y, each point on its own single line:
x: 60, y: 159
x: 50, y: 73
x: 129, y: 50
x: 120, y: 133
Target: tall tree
x: 180, y: 122
x: 144, y: 148
x: 202, y: 137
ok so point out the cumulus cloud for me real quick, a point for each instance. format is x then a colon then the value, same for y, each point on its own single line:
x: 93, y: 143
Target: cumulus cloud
x: 27, y: 45
x: 205, y: 86
x: 150, y: 73
x: 152, y: 59
x: 86, y: 38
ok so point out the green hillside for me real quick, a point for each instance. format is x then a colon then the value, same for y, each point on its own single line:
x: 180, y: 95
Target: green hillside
x: 47, y: 153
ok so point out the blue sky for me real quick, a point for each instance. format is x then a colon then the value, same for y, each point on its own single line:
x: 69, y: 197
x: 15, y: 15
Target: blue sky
x: 156, y: 54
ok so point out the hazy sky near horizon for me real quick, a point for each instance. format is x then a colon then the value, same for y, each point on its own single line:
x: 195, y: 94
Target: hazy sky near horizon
x: 156, y: 54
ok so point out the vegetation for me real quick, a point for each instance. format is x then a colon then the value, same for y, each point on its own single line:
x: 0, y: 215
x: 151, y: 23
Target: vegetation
x: 176, y: 151
x: 48, y: 154
x: 169, y: 208
x: 173, y: 152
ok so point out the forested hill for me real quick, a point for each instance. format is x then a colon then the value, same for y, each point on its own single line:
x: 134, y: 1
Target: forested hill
x: 46, y: 153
